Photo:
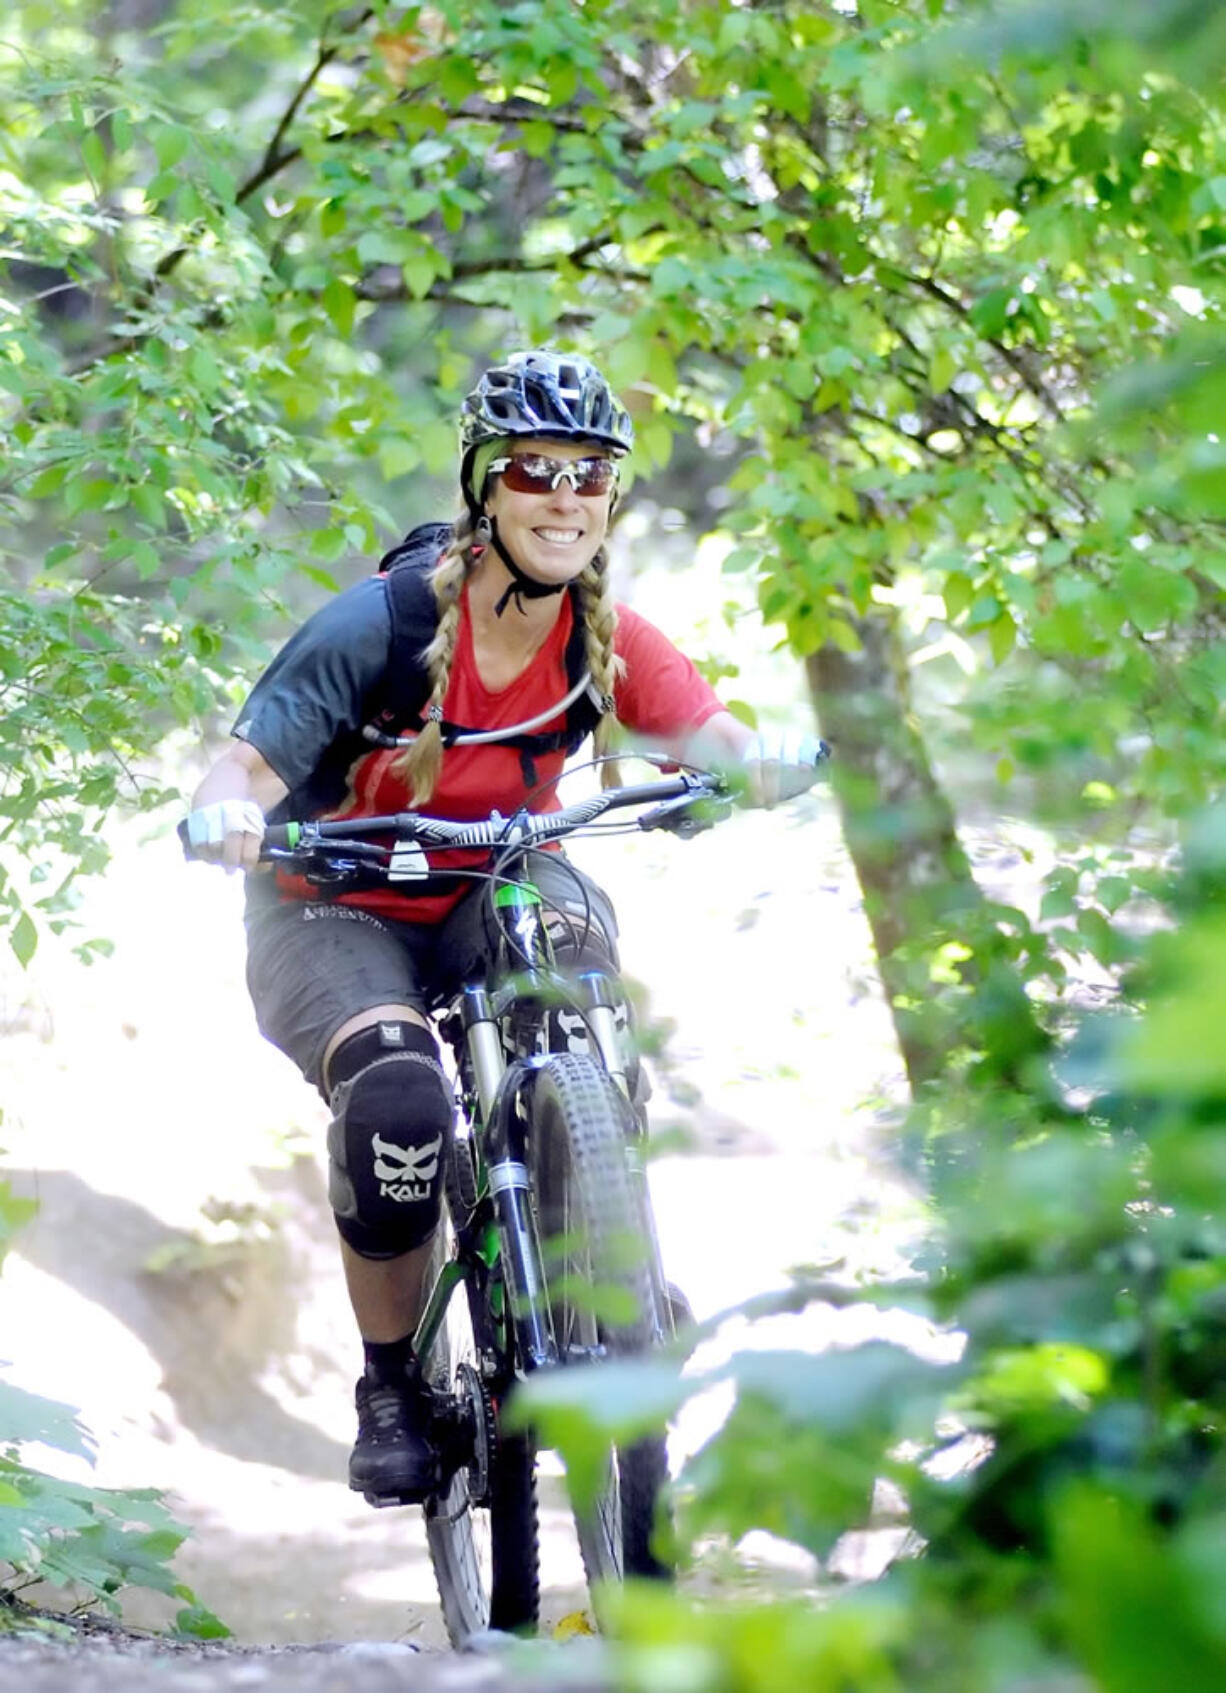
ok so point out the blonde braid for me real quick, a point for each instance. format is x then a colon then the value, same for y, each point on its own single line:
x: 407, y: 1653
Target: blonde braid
x: 599, y: 629
x: 421, y: 763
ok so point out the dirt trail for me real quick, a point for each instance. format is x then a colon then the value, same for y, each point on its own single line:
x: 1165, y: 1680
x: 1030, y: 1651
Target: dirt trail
x: 100, y: 1663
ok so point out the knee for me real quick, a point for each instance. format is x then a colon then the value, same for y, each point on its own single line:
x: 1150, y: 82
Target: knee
x: 389, y: 1138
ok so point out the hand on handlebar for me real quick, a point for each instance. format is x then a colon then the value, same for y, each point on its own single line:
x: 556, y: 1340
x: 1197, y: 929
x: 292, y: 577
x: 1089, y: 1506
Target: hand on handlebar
x: 227, y: 832
x: 779, y: 764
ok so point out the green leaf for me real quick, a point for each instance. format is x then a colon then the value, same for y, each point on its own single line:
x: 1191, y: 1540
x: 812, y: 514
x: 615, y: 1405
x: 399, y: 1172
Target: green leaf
x: 1002, y: 635
x: 990, y: 313
x: 195, y: 1622
x: 94, y: 155
x: 457, y: 79
x: 170, y: 143
x: 958, y: 591
x: 419, y: 271
x: 397, y: 456
x: 27, y: 1417
x: 329, y: 544
x: 161, y: 187
x: 150, y: 503
x: 15, y: 1213
x: 48, y: 481
x: 942, y: 368
x: 536, y: 138
x: 23, y: 938
x: 340, y: 302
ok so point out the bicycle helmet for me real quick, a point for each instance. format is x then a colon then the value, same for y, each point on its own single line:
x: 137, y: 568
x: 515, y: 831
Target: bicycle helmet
x: 558, y: 396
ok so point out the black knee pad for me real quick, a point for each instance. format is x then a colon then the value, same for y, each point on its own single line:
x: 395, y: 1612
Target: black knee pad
x: 389, y: 1139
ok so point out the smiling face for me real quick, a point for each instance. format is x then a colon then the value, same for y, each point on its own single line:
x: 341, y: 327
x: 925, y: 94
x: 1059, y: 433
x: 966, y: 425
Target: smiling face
x: 553, y: 536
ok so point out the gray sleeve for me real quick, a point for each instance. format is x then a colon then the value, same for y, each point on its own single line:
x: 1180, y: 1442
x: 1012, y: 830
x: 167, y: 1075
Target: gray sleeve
x: 321, y: 683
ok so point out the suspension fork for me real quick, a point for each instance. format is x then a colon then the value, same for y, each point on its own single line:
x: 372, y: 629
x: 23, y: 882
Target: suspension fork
x: 498, y: 1094
x: 511, y: 1195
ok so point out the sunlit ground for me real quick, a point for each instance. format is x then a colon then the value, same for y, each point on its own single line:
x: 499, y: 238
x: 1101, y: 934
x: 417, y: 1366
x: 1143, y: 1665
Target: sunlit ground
x: 213, y: 1355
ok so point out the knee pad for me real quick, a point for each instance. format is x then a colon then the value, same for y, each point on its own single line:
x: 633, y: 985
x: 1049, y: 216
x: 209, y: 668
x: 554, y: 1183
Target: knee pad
x: 389, y: 1138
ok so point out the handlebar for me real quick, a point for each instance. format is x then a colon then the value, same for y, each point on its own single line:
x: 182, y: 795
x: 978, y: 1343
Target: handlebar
x: 683, y: 804
x: 678, y: 800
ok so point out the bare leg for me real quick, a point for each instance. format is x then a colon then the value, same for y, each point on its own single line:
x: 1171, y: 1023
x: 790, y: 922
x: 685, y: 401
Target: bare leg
x: 386, y: 1293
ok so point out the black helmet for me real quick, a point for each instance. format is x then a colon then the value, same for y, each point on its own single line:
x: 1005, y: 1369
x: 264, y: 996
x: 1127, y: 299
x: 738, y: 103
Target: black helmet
x: 559, y: 396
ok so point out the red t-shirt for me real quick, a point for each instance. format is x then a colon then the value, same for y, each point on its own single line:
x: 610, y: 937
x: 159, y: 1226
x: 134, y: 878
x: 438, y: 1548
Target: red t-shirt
x: 660, y: 695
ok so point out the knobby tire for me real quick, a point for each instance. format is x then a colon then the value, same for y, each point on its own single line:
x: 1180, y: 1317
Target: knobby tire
x: 589, y: 1200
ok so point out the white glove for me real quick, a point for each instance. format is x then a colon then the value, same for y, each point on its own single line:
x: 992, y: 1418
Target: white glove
x: 787, y: 763
x: 209, y: 826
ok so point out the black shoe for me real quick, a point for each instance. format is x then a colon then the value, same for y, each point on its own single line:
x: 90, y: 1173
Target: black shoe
x: 394, y: 1460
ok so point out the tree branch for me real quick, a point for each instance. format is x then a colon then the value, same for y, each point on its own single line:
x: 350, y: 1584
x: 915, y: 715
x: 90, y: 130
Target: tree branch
x: 274, y: 161
x: 505, y: 263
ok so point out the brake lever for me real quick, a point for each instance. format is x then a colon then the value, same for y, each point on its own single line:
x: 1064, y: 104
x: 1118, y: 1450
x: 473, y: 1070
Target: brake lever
x: 320, y: 865
x: 687, y: 814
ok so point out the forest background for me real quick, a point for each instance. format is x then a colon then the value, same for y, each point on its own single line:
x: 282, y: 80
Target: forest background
x: 917, y: 304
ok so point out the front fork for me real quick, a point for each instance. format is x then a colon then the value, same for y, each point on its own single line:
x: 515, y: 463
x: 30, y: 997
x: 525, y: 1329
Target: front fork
x: 502, y: 1099
x: 507, y: 1171
x: 499, y: 1100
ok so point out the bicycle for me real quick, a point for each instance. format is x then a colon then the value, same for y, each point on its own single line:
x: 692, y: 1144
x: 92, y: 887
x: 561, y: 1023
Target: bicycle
x: 548, y: 1227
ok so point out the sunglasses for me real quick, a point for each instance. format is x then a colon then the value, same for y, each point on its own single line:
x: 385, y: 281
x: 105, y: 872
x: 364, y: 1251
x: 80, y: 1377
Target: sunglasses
x: 534, y: 473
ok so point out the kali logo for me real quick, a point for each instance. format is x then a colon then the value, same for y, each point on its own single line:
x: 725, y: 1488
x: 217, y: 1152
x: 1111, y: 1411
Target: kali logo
x: 405, y: 1172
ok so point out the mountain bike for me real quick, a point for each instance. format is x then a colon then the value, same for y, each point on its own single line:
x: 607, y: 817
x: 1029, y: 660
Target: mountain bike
x: 547, y: 1257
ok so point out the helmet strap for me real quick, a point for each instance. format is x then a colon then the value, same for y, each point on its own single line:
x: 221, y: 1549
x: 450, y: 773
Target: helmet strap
x: 522, y: 586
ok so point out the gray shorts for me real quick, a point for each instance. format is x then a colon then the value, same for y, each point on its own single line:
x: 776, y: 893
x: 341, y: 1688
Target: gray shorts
x: 312, y: 965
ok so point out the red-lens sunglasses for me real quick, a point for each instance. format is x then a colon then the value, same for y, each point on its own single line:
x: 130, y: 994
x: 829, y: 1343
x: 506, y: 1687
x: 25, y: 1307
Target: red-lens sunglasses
x: 535, y: 473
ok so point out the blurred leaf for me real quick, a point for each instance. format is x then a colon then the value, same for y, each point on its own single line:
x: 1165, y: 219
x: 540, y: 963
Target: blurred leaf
x: 1127, y: 1604
x: 27, y: 1417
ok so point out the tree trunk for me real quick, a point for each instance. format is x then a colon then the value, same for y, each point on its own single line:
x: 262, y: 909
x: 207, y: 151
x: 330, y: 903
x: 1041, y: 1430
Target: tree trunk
x: 947, y: 968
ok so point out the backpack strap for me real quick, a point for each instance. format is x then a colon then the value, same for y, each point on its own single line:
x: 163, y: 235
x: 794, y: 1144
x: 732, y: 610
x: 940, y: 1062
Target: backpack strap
x: 407, y: 569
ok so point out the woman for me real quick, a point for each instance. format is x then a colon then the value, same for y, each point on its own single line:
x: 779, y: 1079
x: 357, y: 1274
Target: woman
x: 341, y: 985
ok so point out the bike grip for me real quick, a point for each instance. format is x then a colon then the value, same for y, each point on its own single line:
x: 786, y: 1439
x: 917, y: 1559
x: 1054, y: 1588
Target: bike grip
x: 281, y: 836
x: 189, y: 851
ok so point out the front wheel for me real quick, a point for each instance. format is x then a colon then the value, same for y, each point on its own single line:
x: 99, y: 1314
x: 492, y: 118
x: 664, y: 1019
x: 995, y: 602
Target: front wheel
x: 596, y: 1244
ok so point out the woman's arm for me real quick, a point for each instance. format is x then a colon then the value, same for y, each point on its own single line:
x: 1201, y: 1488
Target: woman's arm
x: 226, y: 824
x: 721, y: 740
x: 776, y: 764
x: 661, y: 689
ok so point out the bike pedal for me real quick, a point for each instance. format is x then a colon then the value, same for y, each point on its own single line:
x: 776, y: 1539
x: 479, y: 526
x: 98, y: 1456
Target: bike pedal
x: 381, y: 1501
